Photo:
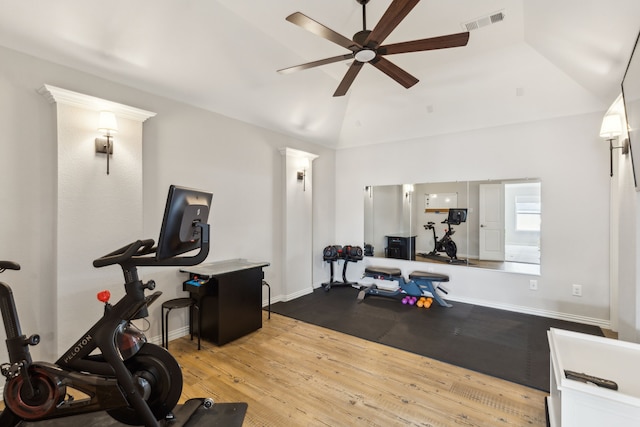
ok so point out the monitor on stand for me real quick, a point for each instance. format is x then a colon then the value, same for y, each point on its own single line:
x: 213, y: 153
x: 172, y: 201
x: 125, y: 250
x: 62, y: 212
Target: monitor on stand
x: 186, y: 212
x: 457, y: 216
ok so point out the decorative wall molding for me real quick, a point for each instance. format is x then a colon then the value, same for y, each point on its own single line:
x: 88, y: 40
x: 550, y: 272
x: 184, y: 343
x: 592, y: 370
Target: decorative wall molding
x: 63, y: 96
x: 297, y: 225
x: 292, y: 152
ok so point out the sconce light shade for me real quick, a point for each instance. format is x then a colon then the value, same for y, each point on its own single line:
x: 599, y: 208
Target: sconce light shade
x: 611, y: 126
x: 107, y: 122
x: 305, y: 163
x: 611, y: 129
x: 302, y: 175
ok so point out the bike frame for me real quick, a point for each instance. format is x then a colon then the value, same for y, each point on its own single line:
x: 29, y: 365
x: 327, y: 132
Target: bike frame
x: 438, y: 245
x: 108, y: 371
x: 103, y: 377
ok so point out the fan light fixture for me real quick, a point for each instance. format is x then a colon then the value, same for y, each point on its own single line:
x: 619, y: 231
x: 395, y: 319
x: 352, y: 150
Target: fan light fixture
x: 365, y: 55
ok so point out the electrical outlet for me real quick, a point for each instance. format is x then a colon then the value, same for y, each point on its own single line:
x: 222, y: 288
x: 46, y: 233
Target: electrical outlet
x: 533, y: 285
x: 576, y: 290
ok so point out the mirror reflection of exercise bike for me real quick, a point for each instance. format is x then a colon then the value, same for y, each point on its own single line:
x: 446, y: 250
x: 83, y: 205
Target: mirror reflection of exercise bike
x: 446, y: 243
x: 135, y: 382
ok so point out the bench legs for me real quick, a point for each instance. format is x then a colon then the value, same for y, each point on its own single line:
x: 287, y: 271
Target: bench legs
x: 416, y: 288
x: 428, y: 286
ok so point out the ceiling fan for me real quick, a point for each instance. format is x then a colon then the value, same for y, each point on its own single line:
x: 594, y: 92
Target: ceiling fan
x: 367, y: 46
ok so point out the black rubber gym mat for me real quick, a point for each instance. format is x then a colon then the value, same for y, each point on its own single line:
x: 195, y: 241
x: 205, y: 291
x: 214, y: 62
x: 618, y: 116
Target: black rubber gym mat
x: 220, y: 414
x: 504, y: 344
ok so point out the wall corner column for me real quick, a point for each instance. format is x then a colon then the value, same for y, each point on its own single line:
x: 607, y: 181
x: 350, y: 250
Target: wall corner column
x: 297, y: 242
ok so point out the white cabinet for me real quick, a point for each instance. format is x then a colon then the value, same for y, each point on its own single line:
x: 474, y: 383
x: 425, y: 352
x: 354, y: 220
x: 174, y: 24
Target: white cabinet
x: 576, y: 404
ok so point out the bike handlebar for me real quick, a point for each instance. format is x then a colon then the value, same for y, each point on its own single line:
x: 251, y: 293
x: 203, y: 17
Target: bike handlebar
x: 9, y: 265
x: 133, y: 254
x: 125, y: 253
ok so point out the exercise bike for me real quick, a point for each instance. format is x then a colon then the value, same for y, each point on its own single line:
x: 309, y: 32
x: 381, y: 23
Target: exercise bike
x: 446, y: 244
x: 134, y: 381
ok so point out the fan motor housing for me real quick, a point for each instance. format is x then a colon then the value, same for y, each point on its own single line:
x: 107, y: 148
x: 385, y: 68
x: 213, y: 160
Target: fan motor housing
x: 361, y: 36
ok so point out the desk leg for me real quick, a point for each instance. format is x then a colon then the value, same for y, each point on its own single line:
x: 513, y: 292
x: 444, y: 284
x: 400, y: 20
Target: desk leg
x: 199, y: 316
x: 264, y: 283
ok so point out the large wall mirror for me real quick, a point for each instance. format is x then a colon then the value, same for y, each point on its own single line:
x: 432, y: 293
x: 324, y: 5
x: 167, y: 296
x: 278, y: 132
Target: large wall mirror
x: 487, y: 224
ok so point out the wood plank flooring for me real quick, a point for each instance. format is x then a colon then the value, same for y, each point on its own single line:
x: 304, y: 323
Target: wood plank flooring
x: 296, y: 374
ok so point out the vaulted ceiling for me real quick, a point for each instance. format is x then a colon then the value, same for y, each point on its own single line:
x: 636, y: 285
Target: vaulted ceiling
x: 546, y: 58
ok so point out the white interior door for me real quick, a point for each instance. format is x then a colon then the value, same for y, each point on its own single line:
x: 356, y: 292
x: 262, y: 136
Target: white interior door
x: 491, y: 218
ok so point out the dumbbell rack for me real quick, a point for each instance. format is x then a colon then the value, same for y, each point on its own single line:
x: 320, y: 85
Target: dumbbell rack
x: 332, y: 254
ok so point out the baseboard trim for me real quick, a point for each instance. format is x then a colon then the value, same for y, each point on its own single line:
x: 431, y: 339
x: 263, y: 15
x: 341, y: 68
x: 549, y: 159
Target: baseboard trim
x: 602, y: 323
x: 295, y: 295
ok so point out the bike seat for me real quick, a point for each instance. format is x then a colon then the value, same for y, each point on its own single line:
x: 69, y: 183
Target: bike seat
x: 383, y: 271
x: 424, y: 275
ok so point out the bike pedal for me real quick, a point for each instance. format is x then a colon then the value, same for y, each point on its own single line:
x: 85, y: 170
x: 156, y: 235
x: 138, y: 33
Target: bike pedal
x: 207, y: 403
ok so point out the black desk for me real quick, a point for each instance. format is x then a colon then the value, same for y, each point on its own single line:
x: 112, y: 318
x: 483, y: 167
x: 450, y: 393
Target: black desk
x: 401, y: 247
x: 229, y: 296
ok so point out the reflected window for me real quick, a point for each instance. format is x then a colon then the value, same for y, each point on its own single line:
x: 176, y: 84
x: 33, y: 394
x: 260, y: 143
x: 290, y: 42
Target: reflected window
x: 528, y: 213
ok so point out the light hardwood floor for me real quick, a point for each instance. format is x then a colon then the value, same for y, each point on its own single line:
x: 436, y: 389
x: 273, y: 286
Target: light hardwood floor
x: 295, y: 374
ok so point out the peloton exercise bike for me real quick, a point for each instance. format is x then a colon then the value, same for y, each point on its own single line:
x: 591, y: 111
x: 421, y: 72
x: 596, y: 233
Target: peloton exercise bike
x: 135, y: 382
x: 446, y: 244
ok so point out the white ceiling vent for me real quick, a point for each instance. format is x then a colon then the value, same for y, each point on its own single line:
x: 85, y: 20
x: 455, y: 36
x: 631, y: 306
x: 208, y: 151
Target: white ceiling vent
x: 483, y: 21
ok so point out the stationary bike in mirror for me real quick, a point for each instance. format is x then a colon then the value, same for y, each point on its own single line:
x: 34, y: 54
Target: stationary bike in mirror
x: 134, y: 381
x: 446, y: 243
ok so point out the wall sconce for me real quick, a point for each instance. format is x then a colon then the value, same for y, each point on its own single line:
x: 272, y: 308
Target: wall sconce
x: 408, y: 191
x: 302, y: 175
x: 611, y: 129
x: 108, y: 124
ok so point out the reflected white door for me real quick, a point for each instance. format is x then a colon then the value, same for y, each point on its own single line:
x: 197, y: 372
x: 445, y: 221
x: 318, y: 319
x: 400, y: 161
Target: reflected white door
x: 491, y: 218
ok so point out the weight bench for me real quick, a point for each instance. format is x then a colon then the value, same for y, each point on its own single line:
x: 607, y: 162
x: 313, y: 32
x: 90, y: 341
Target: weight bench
x: 421, y: 283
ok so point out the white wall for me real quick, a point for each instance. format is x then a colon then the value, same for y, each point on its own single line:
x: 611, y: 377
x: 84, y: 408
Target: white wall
x: 572, y: 163
x: 239, y: 163
x: 242, y: 166
x: 625, y: 203
x: 28, y: 194
x: 624, y: 241
x: 96, y: 214
x: 297, y: 223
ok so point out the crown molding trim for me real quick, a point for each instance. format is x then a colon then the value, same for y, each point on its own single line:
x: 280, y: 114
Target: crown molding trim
x: 63, y: 96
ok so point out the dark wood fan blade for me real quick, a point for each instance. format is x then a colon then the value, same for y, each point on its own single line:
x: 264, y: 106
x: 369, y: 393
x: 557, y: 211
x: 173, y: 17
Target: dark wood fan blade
x: 317, y: 28
x: 395, y: 72
x: 348, y: 78
x: 396, y: 12
x: 442, y: 42
x: 316, y: 63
